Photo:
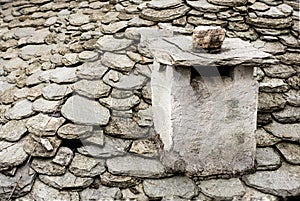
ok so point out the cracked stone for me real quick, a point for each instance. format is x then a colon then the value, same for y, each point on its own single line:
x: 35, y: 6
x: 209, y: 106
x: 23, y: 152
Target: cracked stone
x: 275, y: 182
x: 11, y: 154
x: 13, y: 130
x: 174, y: 186
x: 56, y: 91
x: 290, y: 114
x: 267, y: 159
x: 92, y: 88
x: 291, y: 152
x: 83, y: 166
x: 66, y: 181
x: 44, y: 125
x: 84, y: 111
x: 135, y: 166
x: 20, y: 110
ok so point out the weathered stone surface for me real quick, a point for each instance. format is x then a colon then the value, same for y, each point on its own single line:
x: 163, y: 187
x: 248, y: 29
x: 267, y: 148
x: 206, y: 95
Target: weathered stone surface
x: 63, y: 75
x: 291, y: 152
x: 174, y: 186
x: 281, y: 182
x: 264, y: 139
x: 223, y: 188
x: 109, y: 43
x: 92, y: 89
x: 208, y: 37
x: 165, y: 14
x: 114, y: 27
x: 83, y: 166
x: 167, y: 51
x: 73, y: 131
x: 253, y: 194
x: 284, y: 131
x: 120, y: 104
x: 136, y: 194
x: 44, y: 125
x: 30, y: 51
x: 91, y: 70
x: 63, y: 156
x: 125, y: 128
x: 84, y: 111
x: 101, y: 193
x: 269, y: 102
x: 279, y: 71
x: 118, y: 62
x: 135, y: 166
x: 97, y: 138
x: 229, y: 2
x: 13, y: 130
x: 156, y: 4
x: 290, y: 58
x: 273, y: 85
x: 288, y: 115
x: 294, y: 82
x: 78, y: 19
x: 267, y: 159
x: 112, y: 147
x: 55, y: 91
x: 70, y: 59
x: 24, y: 177
x: 139, y: 22
x: 292, y: 97
x: 146, y: 147
x: 47, y: 167
x: 14, y: 64
x: 204, y: 6
x: 110, y: 180
x: 261, y: 22
x: 88, y: 56
x: 11, y: 154
x: 66, y: 181
x: 259, y: 6
x: 41, y: 191
x: 45, y: 106
x: 41, y: 147
x: 20, y: 110
x: 145, y: 117
x: 270, y: 47
x: 129, y: 81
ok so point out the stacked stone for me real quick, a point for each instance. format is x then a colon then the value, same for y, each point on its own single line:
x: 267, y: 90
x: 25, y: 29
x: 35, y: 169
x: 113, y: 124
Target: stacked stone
x: 75, y: 98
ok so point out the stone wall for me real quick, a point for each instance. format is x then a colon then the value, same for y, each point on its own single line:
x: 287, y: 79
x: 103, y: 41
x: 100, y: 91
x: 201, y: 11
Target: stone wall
x: 75, y: 99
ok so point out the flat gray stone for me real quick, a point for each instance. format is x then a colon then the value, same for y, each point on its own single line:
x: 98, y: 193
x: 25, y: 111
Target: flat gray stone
x: 113, y: 27
x: 204, y: 6
x: 265, y: 139
x: 294, y: 82
x: 111, y: 147
x: 118, y: 62
x: 41, y: 147
x: 275, y: 182
x: 125, y: 128
x: 253, y: 194
x: 45, y: 106
x: 291, y: 152
x: 111, y: 180
x: 38, y: 37
x: 156, y: 4
x: 262, y: 22
x: 129, y: 81
x: 109, y: 43
x: 139, y: 22
x: 145, y: 117
x: 30, y: 51
x: 92, y: 88
x: 56, y: 91
x: 13, y: 130
x: 47, y: 167
x: 44, y: 125
x: 96, y: 138
x: 284, y: 131
x: 120, y: 104
x: 135, y: 166
x: 146, y: 147
x: 167, y: 51
x: 24, y: 32
x: 11, y: 154
x: 279, y: 71
x: 84, y: 111
x: 101, y: 193
x: 223, y: 188
x: 41, y: 191
x: 166, y: 14
x: 74, y: 131
x: 269, y: 102
x: 273, y: 85
x: 66, y: 181
x: 14, y: 64
x: 25, y: 179
x: 63, y: 156
x: 83, y: 166
x: 70, y: 59
x: 290, y: 114
x: 91, y: 70
x: 229, y: 2
x: 270, y: 47
x: 267, y: 159
x: 88, y: 56
x: 63, y: 75
x: 78, y: 19
x: 293, y: 97
x: 20, y: 110
x: 174, y: 186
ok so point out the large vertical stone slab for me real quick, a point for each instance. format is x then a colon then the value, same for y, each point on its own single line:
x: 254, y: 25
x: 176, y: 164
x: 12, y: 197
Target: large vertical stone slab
x: 206, y: 117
